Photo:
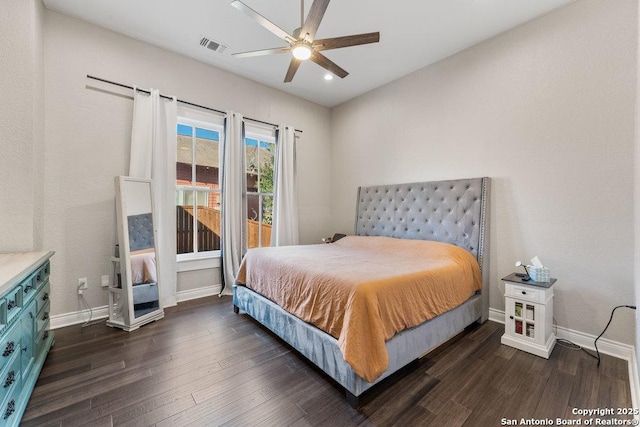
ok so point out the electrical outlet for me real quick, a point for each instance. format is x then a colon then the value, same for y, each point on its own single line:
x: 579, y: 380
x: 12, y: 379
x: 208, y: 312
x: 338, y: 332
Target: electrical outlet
x: 105, y: 280
x: 82, y: 285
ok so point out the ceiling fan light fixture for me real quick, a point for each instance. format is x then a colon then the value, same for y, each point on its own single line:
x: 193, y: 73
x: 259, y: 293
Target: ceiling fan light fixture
x: 301, y: 50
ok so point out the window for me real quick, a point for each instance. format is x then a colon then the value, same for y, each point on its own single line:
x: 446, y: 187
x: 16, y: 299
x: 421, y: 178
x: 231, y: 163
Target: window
x: 259, y: 161
x: 197, y: 189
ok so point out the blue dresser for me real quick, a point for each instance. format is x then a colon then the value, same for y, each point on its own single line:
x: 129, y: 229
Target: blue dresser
x: 25, y: 338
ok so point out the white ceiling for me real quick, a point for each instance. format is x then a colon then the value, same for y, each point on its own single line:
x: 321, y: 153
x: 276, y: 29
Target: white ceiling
x: 413, y: 34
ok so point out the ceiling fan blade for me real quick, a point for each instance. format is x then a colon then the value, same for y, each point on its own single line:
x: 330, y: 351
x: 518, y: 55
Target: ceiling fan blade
x: 263, y: 21
x: 346, y: 41
x: 293, y: 67
x: 262, y: 52
x: 314, y: 18
x: 328, y: 64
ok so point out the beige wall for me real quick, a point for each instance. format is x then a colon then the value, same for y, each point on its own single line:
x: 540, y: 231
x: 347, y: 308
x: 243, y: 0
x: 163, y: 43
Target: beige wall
x: 547, y: 111
x: 21, y: 125
x: 88, y: 137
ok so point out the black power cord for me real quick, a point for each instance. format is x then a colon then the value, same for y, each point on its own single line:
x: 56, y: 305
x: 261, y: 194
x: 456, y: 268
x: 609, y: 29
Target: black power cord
x: 595, y: 343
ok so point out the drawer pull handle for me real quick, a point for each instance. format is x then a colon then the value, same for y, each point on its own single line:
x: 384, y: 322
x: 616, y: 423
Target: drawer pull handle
x: 11, y: 408
x: 511, y: 317
x: 45, y: 296
x: 10, y: 348
x: 11, y: 378
x: 45, y: 335
x: 27, y: 288
x: 38, y: 278
x: 11, y: 305
x: 25, y: 348
x: 524, y: 292
x: 45, y: 316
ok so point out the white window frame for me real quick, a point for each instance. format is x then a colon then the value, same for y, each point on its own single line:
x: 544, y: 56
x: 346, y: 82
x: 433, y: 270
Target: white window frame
x: 208, y: 259
x: 260, y: 137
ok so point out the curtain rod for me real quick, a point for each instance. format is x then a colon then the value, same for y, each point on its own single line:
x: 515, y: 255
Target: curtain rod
x: 181, y: 101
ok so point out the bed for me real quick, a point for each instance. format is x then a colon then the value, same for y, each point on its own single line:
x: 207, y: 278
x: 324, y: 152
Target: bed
x: 453, y: 213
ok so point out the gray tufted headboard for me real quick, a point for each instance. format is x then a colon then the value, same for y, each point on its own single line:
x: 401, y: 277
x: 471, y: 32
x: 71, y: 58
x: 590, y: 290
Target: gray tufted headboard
x: 140, y: 231
x: 453, y: 211
x: 446, y: 211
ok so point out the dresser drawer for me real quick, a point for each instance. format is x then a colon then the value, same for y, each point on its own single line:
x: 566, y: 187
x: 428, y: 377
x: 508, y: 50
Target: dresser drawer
x: 42, y: 320
x: 9, y: 408
x: 9, y: 345
x: 29, y: 289
x: 9, y: 376
x: 42, y: 275
x: 3, y: 314
x: 14, y: 303
x: 43, y: 339
x: 525, y: 293
x: 43, y: 297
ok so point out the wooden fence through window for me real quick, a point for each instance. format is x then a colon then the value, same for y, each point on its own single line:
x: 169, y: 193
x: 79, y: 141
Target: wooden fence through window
x: 208, y: 229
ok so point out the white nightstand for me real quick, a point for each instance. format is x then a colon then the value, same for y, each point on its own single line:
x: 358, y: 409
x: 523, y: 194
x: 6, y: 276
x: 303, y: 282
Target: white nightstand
x: 529, y: 315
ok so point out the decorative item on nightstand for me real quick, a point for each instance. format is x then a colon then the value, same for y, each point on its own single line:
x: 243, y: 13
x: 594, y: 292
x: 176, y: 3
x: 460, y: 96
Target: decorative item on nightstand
x: 529, y: 315
x: 538, y: 272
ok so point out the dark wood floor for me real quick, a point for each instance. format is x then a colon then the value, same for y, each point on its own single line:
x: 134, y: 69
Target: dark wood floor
x: 205, y: 365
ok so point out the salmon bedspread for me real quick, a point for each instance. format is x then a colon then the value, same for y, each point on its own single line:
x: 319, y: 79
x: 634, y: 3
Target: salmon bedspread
x: 363, y: 290
x: 143, y: 266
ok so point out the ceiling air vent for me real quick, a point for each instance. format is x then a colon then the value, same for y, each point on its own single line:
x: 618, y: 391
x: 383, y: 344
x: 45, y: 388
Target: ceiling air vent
x: 210, y: 44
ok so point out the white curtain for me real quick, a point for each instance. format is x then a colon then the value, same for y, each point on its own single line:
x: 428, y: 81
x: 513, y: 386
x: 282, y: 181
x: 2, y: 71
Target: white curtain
x: 285, y: 210
x: 234, y: 216
x: 153, y: 156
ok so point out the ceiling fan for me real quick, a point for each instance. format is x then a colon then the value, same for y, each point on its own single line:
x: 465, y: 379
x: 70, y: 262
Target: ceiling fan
x: 302, y: 43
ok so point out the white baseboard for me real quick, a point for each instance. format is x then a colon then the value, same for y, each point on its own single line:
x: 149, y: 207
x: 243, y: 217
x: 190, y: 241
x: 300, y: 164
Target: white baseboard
x: 612, y: 348
x: 77, y: 317
x: 206, y: 291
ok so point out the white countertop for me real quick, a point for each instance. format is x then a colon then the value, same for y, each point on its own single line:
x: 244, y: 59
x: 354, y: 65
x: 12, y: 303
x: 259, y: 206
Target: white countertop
x: 15, y: 267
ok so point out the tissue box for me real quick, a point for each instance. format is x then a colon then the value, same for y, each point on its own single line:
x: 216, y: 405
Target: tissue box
x: 540, y: 274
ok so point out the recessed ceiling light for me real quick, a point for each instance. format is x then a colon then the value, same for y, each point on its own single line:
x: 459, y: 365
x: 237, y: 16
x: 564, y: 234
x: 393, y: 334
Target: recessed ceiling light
x: 328, y: 76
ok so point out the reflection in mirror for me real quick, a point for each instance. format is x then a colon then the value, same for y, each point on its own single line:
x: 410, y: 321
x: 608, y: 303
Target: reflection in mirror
x: 141, y: 247
x: 143, y: 264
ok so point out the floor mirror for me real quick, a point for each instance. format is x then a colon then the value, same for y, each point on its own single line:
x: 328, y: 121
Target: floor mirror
x: 134, y: 294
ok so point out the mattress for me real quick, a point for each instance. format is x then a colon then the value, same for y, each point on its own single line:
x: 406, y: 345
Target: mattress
x: 364, y: 290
